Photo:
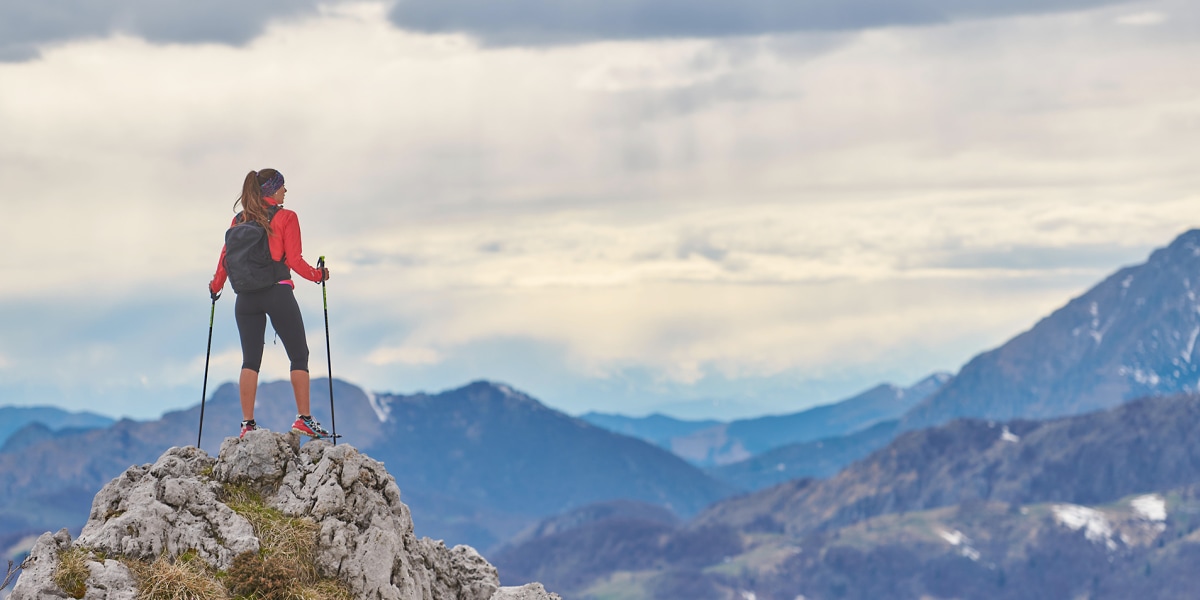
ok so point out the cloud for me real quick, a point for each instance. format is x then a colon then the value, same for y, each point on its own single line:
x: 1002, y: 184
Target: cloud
x: 525, y: 22
x: 27, y: 26
x: 1142, y: 19
x: 1027, y: 258
x: 404, y: 355
x: 695, y: 211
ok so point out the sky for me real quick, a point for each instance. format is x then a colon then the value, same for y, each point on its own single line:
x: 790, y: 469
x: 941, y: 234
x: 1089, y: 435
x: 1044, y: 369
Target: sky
x: 706, y: 209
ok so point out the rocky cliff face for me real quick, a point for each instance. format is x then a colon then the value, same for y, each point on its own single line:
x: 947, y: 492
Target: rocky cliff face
x: 324, y: 516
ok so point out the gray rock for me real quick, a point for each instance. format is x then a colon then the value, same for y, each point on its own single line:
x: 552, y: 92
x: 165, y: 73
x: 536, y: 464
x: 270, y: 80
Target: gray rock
x: 168, y: 507
x: 259, y: 459
x: 529, y: 591
x: 365, y: 533
x: 37, y: 576
x: 108, y: 579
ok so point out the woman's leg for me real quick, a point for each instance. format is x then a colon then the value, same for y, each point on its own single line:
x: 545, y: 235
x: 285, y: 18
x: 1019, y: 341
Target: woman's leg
x: 300, y: 389
x: 289, y: 325
x: 247, y: 386
x: 252, y: 325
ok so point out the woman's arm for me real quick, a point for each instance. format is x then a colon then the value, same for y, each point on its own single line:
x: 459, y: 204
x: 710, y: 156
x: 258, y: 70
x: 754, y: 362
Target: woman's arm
x: 293, y: 249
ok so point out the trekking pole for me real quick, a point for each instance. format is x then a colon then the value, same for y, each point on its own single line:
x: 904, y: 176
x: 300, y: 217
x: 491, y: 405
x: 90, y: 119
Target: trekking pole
x: 207, y: 353
x: 328, y: 359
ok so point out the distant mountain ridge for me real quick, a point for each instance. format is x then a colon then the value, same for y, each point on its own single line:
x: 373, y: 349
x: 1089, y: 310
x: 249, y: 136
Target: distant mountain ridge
x: 819, y: 459
x: 744, y: 438
x: 1133, y: 335
x: 658, y: 429
x: 1143, y: 446
x: 14, y: 418
x: 481, y: 462
x: 715, y: 443
x: 491, y: 438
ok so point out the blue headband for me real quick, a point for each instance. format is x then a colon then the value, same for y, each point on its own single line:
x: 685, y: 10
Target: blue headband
x: 272, y: 185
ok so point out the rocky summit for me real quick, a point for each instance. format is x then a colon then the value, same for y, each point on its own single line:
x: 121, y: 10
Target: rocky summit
x: 265, y: 519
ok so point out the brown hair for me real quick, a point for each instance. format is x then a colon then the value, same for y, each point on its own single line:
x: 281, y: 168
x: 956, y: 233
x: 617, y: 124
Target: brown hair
x: 253, y: 206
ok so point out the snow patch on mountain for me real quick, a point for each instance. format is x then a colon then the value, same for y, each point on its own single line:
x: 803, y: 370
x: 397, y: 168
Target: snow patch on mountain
x: 1151, y: 507
x: 959, y: 539
x: 1096, y: 527
x: 1008, y: 436
x: 382, y: 411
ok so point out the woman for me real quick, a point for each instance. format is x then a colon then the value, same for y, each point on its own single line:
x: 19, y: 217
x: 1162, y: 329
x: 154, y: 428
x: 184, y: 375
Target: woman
x: 262, y: 204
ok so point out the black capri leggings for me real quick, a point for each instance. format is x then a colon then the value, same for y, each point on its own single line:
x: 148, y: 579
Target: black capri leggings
x: 251, y: 311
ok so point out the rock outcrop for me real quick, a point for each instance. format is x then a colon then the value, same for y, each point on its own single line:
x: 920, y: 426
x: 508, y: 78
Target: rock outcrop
x: 180, y: 508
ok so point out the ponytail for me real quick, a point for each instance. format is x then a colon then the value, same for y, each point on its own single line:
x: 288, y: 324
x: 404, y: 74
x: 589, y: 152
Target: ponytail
x: 253, y: 206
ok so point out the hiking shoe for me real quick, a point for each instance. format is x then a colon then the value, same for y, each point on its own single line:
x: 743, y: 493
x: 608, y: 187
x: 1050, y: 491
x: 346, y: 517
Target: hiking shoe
x: 309, y: 426
x: 248, y: 426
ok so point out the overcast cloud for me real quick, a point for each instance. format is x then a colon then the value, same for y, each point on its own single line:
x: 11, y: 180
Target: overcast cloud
x: 720, y: 225
x: 520, y: 22
x: 27, y: 26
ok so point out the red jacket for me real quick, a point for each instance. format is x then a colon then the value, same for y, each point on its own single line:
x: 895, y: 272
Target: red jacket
x: 285, y: 242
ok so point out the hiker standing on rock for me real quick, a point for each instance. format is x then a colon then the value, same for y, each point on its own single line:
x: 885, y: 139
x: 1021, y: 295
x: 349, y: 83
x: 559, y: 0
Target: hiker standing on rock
x: 262, y: 248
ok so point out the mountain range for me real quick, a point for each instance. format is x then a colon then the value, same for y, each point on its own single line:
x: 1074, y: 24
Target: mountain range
x: 709, y: 444
x: 478, y: 464
x: 658, y: 429
x: 14, y: 418
x: 820, y: 459
x: 1081, y: 506
x: 1132, y: 335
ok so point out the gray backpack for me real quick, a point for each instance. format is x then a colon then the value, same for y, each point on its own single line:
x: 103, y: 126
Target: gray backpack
x: 248, y: 256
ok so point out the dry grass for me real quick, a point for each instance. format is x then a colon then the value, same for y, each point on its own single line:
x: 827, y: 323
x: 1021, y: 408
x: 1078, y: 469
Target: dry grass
x: 290, y: 538
x: 255, y: 576
x: 322, y: 590
x: 72, y: 572
x: 287, y: 541
x: 183, y: 579
x: 273, y: 578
